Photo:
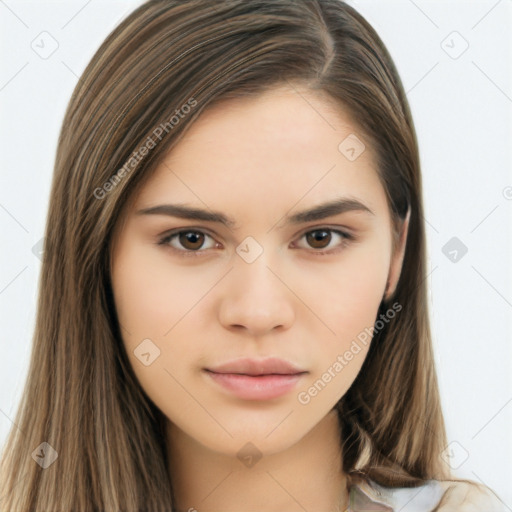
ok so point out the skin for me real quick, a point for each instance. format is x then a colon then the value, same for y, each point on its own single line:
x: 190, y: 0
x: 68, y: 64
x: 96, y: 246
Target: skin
x: 256, y: 160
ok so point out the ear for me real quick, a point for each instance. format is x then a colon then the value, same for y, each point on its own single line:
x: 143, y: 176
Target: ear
x: 397, y: 257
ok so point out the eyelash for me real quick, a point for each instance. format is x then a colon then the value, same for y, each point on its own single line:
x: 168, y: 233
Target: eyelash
x: 346, y: 238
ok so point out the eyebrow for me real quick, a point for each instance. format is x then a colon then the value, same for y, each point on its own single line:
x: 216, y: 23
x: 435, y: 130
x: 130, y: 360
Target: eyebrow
x: 319, y: 212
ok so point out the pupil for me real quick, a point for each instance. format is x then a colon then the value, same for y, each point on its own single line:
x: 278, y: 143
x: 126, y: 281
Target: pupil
x: 319, y: 239
x: 191, y: 239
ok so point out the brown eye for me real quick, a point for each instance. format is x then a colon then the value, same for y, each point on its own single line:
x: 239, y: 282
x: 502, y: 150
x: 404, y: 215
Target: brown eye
x: 325, y: 240
x: 319, y: 239
x: 191, y: 240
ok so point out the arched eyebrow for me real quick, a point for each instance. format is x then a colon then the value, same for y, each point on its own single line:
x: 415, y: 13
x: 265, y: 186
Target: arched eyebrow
x: 318, y: 212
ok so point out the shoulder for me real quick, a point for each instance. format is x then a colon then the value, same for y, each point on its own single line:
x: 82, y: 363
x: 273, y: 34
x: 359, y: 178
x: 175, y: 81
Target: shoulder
x: 465, y: 495
x: 439, y: 495
x: 367, y: 493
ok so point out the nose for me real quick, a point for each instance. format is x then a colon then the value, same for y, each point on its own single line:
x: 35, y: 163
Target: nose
x: 255, y: 301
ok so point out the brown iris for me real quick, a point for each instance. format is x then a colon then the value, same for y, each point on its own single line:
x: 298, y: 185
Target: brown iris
x: 191, y: 239
x: 319, y: 239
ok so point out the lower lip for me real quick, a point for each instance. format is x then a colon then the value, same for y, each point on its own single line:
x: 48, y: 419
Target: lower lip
x: 263, y: 387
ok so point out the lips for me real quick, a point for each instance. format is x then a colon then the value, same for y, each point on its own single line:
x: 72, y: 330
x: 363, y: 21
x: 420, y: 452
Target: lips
x: 269, y: 366
x: 252, y: 379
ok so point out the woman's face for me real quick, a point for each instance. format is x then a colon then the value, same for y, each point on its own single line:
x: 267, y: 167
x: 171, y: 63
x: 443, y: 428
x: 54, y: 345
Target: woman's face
x: 257, y: 270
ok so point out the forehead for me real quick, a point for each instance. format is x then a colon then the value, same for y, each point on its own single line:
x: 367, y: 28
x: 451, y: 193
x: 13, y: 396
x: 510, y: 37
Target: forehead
x: 280, y: 146
x: 279, y: 118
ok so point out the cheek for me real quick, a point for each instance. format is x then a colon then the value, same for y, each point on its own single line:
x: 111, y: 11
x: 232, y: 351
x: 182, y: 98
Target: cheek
x: 152, y: 294
x: 345, y: 294
x: 359, y: 293
x: 152, y: 300
x: 347, y: 299
x: 348, y: 303
x: 157, y: 300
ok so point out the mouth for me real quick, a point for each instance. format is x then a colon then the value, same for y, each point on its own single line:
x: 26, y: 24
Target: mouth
x: 251, y: 379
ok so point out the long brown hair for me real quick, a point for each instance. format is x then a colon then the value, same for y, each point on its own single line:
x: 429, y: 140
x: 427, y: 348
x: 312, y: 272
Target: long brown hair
x: 150, y: 79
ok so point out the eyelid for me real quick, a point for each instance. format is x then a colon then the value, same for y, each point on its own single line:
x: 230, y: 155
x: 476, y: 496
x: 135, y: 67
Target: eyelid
x: 342, y: 230
x: 346, y: 234
x: 166, y: 237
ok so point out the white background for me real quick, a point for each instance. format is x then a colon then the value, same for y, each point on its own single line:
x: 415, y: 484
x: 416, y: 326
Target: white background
x: 462, y: 111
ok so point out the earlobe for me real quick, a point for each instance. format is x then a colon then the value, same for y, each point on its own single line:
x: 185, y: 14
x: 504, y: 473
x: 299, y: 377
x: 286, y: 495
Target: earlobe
x: 397, y: 258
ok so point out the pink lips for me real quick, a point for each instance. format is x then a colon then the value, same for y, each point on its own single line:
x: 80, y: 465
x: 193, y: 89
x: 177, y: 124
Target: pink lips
x: 252, y: 379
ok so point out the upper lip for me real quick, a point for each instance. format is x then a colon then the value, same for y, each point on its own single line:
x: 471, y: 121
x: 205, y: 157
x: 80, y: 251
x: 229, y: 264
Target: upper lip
x: 247, y: 366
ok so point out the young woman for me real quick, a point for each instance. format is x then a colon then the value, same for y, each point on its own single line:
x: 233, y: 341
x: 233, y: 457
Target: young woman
x: 232, y: 311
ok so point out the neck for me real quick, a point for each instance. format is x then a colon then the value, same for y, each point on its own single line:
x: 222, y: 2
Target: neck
x: 306, y: 476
